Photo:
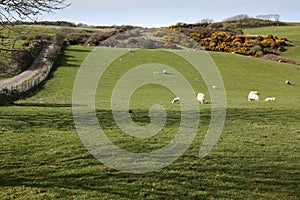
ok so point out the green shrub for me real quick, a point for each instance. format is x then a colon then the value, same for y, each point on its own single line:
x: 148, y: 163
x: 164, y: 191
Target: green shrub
x: 25, y: 56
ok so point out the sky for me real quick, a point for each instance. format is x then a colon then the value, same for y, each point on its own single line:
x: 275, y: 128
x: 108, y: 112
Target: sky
x: 158, y: 13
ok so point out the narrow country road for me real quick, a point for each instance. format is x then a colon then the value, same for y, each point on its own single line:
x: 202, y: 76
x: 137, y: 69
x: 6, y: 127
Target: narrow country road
x: 17, y: 80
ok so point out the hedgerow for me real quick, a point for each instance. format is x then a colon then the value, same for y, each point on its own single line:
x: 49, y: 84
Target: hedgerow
x: 228, y: 41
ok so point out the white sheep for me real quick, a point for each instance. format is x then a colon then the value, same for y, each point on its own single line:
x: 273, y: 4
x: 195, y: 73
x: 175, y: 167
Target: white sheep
x: 214, y: 87
x: 270, y: 99
x: 165, y: 71
x: 201, y: 98
x: 176, y: 100
x: 253, y: 96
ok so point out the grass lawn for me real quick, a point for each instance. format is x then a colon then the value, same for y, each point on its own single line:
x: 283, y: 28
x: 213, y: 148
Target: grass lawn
x: 256, y: 157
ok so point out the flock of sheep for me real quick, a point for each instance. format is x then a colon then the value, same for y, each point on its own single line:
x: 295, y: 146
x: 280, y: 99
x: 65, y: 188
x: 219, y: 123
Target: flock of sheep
x: 252, y: 96
x: 200, y: 98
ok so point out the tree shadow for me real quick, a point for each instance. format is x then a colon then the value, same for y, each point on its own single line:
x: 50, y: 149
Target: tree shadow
x: 80, y: 50
x: 51, y: 105
x: 57, y: 117
x: 218, y: 175
x: 65, y: 60
x: 141, y: 116
x: 222, y: 174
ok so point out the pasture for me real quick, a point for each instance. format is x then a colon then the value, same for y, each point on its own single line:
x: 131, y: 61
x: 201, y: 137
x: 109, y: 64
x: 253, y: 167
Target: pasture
x: 256, y: 157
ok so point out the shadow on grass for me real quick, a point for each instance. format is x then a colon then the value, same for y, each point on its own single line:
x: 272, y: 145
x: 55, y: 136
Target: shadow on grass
x: 262, y: 115
x: 35, y: 118
x: 141, y: 117
x: 188, y: 178
x: 50, y: 105
x: 222, y: 174
x: 67, y: 60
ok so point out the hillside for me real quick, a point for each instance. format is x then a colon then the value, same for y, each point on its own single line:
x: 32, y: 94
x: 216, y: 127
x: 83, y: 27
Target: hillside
x: 256, y: 156
x: 225, y: 36
x: 291, y: 31
x: 15, y: 40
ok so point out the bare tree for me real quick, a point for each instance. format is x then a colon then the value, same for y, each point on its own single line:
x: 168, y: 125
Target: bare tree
x: 207, y: 20
x: 12, y: 11
x: 269, y: 17
x: 276, y: 17
x: 237, y: 17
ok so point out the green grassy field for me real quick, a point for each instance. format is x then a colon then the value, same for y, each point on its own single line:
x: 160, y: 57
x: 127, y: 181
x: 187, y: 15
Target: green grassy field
x: 256, y: 157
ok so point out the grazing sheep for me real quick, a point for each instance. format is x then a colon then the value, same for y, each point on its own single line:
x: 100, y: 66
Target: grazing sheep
x: 288, y: 82
x: 253, y: 96
x: 270, y: 99
x: 201, y: 98
x: 156, y: 72
x: 176, y: 100
x: 165, y: 71
x: 214, y: 87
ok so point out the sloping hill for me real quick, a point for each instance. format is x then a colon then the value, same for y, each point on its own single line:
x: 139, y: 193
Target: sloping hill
x: 241, y: 74
x: 255, y: 157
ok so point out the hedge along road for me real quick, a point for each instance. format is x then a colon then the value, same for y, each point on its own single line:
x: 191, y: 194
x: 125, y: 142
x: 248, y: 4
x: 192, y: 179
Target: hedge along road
x: 19, y: 79
x: 37, y: 67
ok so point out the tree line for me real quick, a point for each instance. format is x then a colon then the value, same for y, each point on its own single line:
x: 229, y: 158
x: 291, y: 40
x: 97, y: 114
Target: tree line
x: 267, y: 17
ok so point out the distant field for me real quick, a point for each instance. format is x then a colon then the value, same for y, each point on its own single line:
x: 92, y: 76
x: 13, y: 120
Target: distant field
x: 42, y: 156
x: 291, y: 32
x: 51, y: 30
